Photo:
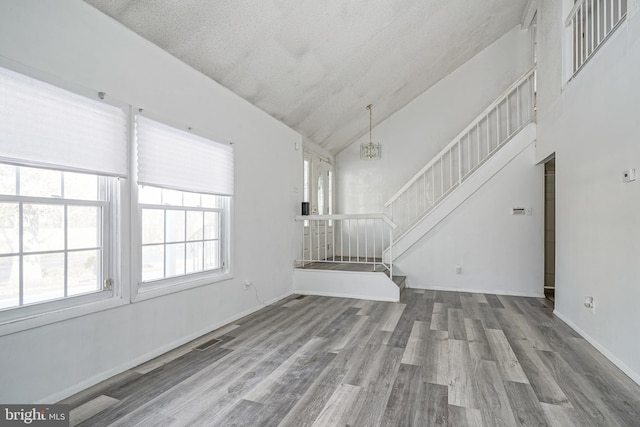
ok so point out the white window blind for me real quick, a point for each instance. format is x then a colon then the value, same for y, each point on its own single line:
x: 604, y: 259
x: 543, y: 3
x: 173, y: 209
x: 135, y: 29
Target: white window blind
x: 43, y: 125
x: 176, y: 159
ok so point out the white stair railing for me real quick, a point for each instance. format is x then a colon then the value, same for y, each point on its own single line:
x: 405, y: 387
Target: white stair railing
x: 493, y: 128
x: 352, y: 239
x: 592, y: 22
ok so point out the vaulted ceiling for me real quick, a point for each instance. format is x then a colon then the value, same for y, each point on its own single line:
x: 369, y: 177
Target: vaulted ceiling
x: 315, y: 65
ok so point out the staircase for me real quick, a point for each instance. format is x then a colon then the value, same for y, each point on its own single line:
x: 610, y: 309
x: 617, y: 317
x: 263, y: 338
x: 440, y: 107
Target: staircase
x: 353, y: 256
x: 460, y: 164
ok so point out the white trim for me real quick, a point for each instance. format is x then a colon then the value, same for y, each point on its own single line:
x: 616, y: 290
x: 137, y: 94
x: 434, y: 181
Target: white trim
x: 59, y: 315
x: 70, y: 391
x: 146, y: 292
x: 345, y: 295
x: 529, y: 13
x: 367, y: 285
x: 504, y: 292
x: 383, y: 217
x: 635, y: 376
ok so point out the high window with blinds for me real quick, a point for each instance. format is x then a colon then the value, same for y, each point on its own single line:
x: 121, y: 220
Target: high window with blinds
x: 185, y: 185
x: 60, y: 156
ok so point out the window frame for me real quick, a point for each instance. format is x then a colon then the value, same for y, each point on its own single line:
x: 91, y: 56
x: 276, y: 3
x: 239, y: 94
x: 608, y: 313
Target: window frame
x: 195, y: 278
x: 141, y: 291
x: 123, y: 234
x: 24, y: 317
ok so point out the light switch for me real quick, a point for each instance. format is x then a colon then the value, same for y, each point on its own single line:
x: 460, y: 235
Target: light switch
x: 629, y: 175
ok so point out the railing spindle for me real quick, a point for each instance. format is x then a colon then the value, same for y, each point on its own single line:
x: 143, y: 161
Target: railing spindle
x: 366, y: 241
x: 611, y: 15
x: 357, y: 240
x: 459, y: 162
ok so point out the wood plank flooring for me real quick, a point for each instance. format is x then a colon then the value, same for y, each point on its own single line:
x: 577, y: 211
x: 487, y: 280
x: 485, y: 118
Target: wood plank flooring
x: 437, y: 358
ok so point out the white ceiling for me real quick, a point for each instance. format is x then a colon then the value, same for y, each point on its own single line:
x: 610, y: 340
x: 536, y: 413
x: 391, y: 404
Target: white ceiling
x: 316, y: 64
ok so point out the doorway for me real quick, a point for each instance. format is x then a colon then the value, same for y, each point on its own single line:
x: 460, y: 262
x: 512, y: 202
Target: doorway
x: 318, y: 189
x: 550, y: 230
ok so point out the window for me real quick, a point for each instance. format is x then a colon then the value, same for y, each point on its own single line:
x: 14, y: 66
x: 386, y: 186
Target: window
x: 184, y: 204
x: 53, y: 232
x: 306, y: 173
x: 60, y: 156
x: 182, y: 232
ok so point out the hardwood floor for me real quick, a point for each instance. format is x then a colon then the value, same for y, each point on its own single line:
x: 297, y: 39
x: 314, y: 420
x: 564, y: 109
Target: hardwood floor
x: 437, y: 358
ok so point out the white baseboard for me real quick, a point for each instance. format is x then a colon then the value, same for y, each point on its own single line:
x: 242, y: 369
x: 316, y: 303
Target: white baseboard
x: 70, y: 391
x: 505, y: 292
x: 344, y: 295
x: 606, y: 353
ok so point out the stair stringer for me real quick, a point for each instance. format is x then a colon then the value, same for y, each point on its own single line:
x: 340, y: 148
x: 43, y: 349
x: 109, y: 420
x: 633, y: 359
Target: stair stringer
x: 481, y: 176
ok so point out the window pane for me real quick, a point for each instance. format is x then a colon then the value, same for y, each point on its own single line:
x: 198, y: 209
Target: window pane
x: 43, y: 277
x: 9, y: 283
x: 212, y: 255
x: 195, y: 223
x: 320, y: 195
x: 195, y: 253
x: 82, y: 224
x: 43, y: 227
x: 211, y: 225
x: 152, y: 262
x: 210, y: 201
x: 40, y: 182
x: 175, y: 260
x: 191, y: 199
x: 305, y: 184
x: 9, y: 228
x: 152, y: 226
x: 83, y: 275
x: 172, y: 197
x: 149, y: 195
x: 175, y: 226
x: 7, y: 179
x: 80, y: 186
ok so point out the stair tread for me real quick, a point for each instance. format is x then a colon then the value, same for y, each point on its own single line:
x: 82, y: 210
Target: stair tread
x: 399, y: 280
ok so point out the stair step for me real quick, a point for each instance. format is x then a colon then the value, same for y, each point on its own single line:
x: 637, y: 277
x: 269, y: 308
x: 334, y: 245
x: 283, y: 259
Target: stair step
x: 400, y: 281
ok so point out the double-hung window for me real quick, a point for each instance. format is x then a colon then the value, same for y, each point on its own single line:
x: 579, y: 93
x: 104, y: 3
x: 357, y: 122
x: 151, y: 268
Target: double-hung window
x: 185, y: 184
x: 60, y: 156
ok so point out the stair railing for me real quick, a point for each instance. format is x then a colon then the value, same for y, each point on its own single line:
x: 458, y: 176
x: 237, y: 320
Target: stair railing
x: 491, y: 130
x: 592, y: 22
x: 348, y: 239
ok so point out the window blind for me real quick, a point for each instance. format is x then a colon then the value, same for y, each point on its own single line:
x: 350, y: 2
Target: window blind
x: 43, y: 125
x: 172, y: 158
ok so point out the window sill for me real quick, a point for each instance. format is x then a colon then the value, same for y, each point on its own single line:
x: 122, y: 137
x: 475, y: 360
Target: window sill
x: 12, y: 324
x: 170, y: 286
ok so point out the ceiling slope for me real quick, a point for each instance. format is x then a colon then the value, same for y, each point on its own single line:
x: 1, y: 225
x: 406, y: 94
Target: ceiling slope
x: 315, y: 65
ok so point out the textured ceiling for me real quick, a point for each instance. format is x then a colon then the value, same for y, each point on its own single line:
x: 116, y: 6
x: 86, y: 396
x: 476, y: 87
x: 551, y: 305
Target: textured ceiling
x: 315, y: 65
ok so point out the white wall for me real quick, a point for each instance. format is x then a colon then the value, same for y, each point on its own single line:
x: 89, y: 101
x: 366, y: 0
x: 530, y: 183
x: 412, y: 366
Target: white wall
x: 74, y: 42
x: 417, y: 132
x: 593, y: 127
x: 499, y: 253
